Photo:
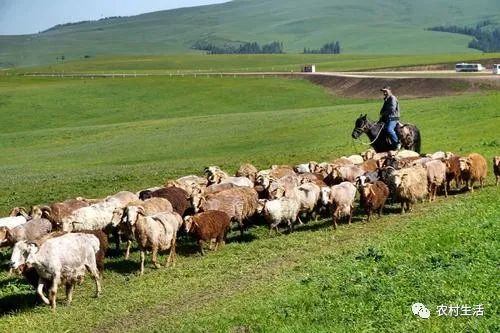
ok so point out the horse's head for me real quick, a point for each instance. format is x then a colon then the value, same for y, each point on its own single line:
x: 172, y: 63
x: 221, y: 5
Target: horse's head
x: 359, y: 126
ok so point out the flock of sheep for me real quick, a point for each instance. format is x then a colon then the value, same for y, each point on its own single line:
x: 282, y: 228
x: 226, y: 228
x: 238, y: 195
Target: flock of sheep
x: 58, y: 243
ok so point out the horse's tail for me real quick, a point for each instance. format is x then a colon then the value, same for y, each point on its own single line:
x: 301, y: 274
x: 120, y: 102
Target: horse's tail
x: 417, y: 140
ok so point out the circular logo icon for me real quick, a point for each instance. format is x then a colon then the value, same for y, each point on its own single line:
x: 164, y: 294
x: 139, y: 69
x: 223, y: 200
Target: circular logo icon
x: 420, y: 310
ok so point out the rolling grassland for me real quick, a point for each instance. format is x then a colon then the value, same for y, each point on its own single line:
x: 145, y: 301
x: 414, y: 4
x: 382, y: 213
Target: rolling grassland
x: 61, y: 138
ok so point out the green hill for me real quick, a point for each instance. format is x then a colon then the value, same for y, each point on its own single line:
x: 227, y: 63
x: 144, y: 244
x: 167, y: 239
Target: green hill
x: 362, y: 27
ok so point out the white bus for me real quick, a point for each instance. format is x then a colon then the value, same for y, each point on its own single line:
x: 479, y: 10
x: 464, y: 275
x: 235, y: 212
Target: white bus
x: 496, y: 68
x: 464, y: 67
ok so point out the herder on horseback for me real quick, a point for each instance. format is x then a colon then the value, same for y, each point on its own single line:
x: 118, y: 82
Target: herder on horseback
x: 389, y: 115
x: 388, y: 133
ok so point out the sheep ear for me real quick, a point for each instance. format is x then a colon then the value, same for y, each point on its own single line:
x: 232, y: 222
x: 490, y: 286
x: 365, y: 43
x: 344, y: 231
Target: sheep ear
x: 140, y: 210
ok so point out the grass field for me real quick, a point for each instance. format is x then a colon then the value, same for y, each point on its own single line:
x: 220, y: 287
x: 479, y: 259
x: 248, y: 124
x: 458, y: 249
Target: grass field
x: 61, y: 138
x: 174, y: 64
x: 361, y: 27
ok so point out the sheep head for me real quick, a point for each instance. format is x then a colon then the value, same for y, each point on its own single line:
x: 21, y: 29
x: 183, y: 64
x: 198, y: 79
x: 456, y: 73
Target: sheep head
x: 464, y: 163
x: 18, y: 211
x: 325, y: 195
x: 116, y: 218
x: 188, y: 223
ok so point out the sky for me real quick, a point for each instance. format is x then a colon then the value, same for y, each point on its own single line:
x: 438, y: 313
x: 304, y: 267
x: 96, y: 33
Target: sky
x: 31, y: 16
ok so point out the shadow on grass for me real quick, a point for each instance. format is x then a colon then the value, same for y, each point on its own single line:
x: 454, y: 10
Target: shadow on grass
x: 17, y: 303
x: 125, y: 266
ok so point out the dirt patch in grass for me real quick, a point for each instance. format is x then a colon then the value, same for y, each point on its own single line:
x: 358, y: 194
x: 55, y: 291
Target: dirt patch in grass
x: 369, y: 87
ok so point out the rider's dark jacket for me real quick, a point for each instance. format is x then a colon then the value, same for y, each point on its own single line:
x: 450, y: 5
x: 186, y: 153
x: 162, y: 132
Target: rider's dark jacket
x: 390, y: 109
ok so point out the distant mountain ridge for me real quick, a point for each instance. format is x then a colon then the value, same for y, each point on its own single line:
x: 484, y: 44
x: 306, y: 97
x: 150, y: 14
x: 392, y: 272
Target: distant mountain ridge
x: 361, y: 27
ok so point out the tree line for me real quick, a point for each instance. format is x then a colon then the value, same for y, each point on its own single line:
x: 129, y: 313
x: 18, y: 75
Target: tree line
x: 328, y: 48
x: 486, y: 40
x: 255, y: 48
x: 245, y: 48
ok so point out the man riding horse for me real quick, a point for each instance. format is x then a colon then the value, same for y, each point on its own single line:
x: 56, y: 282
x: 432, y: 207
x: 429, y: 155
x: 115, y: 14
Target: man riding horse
x: 389, y: 115
x: 388, y: 133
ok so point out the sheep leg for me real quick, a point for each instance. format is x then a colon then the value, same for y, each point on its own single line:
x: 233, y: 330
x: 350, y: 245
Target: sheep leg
x: 171, y: 255
x: 143, y: 257
x: 53, y: 291
x: 369, y: 213
x: 402, y: 207
x: 200, y: 244
x: 95, y: 276
x: 334, y: 218
x: 445, y: 192
x: 350, y: 214
x: 155, y: 256
x: 127, y: 252
x: 39, y: 291
x: 472, y: 186
x: 116, y: 237
x: 69, y: 292
x: 241, y: 229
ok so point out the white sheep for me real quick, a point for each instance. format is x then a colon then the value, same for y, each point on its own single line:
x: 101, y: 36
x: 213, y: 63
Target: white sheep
x: 154, y: 233
x: 280, y: 210
x: 341, y: 199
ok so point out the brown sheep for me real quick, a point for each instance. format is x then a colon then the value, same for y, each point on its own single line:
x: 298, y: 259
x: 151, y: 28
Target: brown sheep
x: 453, y: 171
x: 496, y: 168
x: 208, y: 225
x: 369, y: 165
x: 373, y: 197
x: 238, y: 203
x: 57, y: 211
x: 473, y: 168
x: 179, y: 198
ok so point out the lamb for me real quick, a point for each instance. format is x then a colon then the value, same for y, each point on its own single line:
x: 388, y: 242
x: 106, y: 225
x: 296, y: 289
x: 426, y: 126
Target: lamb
x: 278, y: 211
x: 373, y: 197
x: 28, y: 231
x: 341, y: 199
x: 60, y: 259
x: 496, y: 168
x: 154, y: 233
x: 436, y: 177
x: 208, y: 225
x: 179, y: 198
x: 411, y: 185
x: 238, y: 203
x: 247, y: 170
x: 473, y: 168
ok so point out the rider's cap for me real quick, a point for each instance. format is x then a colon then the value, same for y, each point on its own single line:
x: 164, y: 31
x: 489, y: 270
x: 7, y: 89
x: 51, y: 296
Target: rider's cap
x: 385, y: 88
